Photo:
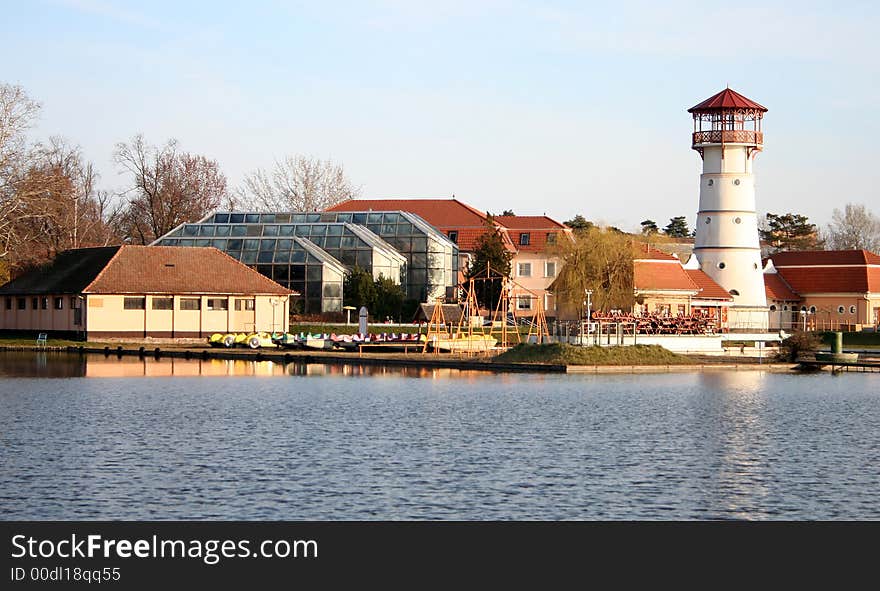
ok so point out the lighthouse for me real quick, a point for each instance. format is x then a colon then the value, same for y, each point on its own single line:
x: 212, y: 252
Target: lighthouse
x: 727, y: 134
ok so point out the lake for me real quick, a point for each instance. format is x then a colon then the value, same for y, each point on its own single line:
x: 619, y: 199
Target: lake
x: 96, y: 438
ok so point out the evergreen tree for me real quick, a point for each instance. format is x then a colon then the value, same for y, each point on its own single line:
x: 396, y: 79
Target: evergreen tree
x: 489, y: 253
x: 359, y: 289
x: 790, y: 231
x: 579, y: 222
x: 649, y: 227
x: 677, y: 227
x: 389, y: 299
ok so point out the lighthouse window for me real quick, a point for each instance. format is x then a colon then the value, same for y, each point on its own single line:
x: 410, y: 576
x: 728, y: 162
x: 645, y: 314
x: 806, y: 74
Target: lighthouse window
x: 708, y: 220
x: 711, y: 182
x: 721, y: 265
x: 737, y: 220
x: 733, y: 292
x: 755, y: 265
x: 735, y: 181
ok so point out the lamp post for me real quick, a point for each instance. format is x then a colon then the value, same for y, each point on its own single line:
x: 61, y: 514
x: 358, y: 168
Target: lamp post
x: 588, y: 303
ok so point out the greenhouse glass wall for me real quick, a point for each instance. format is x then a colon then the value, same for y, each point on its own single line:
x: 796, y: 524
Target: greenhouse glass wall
x: 308, y: 252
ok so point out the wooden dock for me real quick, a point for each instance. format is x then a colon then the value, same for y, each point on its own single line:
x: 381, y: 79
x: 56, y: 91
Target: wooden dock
x: 867, y: 365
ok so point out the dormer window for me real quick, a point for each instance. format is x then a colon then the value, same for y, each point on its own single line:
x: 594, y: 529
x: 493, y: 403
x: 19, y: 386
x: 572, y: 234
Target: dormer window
x: 453, y: 236
x: 524, y: 239
x: 551, y: 238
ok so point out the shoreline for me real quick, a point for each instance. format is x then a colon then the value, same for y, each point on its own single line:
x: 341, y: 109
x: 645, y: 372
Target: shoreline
x: 427, y: 360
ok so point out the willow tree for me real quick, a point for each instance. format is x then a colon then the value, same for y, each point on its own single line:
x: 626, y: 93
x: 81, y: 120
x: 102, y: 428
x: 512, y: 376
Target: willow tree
x: 601, y: 260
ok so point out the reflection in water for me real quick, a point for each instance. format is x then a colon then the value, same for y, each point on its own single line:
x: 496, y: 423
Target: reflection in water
x: 733, y: 424
x: 518, y: 446
x: 66, y: 365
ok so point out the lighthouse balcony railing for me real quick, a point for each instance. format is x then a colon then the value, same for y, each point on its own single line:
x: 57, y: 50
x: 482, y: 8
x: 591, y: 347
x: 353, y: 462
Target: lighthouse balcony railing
x: 728, y: 136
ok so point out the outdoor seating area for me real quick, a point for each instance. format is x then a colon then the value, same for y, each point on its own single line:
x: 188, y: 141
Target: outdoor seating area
x: 658, y: 324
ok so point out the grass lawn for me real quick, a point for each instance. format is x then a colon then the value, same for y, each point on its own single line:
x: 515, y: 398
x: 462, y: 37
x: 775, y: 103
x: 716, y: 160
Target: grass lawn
x: 557, y: 353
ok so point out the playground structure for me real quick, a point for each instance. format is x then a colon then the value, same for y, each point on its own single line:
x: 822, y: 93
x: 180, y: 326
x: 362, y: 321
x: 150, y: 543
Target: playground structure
x: 473, y: 333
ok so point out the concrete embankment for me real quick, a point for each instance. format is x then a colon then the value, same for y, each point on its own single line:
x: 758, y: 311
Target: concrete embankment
x: 395, y: 359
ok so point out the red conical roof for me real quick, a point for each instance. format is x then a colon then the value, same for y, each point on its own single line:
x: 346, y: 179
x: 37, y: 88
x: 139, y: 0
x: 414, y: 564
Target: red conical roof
x: 726, y: 99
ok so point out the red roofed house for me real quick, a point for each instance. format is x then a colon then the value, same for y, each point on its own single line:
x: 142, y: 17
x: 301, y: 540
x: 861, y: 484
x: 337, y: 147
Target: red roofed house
x: 833, y: 288
x: 662, y: 285
x: 536, y: 263
x: 528, y: 238
x: 143, y: 291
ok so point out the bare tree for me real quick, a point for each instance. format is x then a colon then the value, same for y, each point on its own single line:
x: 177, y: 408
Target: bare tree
x: 168, y: 187
x: 18, y: 112
x: 854, y: 228
x: 296, y: 183
x: 58, y: 206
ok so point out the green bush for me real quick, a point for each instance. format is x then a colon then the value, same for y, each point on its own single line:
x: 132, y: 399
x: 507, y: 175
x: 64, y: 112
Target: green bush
x: 560, y: 353
x: 797, y: 344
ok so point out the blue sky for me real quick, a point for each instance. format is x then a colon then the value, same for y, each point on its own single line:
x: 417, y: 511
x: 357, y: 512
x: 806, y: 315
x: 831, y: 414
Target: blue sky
x: 540, y: 107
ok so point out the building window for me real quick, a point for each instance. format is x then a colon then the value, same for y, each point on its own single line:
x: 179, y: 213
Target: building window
x: 244, y: 305
x: 524, y: 239
x: 551, y: 237
x: 218, y: 304
x: 524, y: 303
x: 841, y: 309
x: 524, y: 270
x: 812, y: 309
x: 134, y: 304
x: 163, y: 303
x: 721, y: 265
x: 773, y: 308
x: 8, y: 303
x: 190, y: 303
x: 852, y: 309
x: 35, y: 303
x: 733, y: 292
x: 59, y: 303
x: 453, y: 236
x: 44, y: 303
x: 550, y: 269
x: 22, y: 304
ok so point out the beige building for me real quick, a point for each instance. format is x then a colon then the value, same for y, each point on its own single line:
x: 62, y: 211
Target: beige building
x: 534, y: 267
x: 823, y: 289
x: 143, y: 291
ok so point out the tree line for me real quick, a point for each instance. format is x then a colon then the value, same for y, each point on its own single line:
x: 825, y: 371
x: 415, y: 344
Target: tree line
x: 51, y: 199
x: 854, y: 227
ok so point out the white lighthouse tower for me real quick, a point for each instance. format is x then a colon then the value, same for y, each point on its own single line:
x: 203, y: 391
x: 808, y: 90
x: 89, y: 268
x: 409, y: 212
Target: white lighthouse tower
x: 727, y: 134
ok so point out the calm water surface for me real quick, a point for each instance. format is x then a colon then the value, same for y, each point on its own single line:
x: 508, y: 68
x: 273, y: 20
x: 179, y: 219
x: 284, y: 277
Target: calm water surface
x: 341, y: 443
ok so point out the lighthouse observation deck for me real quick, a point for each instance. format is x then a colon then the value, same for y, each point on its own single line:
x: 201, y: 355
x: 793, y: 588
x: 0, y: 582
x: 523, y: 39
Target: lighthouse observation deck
x: 728, y: 136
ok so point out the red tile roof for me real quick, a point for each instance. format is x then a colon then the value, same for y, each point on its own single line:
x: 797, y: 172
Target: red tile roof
x: 777, y: 289
x: 726, y: 99
x: 829, y: 271
x: 709, y: 290
x: 528, y: 222
x: 825, y: 257
x: 659, y: 275
x: 179, y: 270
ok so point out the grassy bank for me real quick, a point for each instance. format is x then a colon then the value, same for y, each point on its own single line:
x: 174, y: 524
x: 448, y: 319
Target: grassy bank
x: 854, y: 339
x: 570, y: 355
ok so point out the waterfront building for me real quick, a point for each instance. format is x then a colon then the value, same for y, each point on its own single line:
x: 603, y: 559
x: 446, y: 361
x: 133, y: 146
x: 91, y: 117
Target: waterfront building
x: 727, y: 135
x: 530, y: 240
x: 663, y: 286
x: 536, y: 263
x: 307, y: 252
x: 431, y: 257
x: 459, y: 222
x: 823, y: 289
x: 143, y: 291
